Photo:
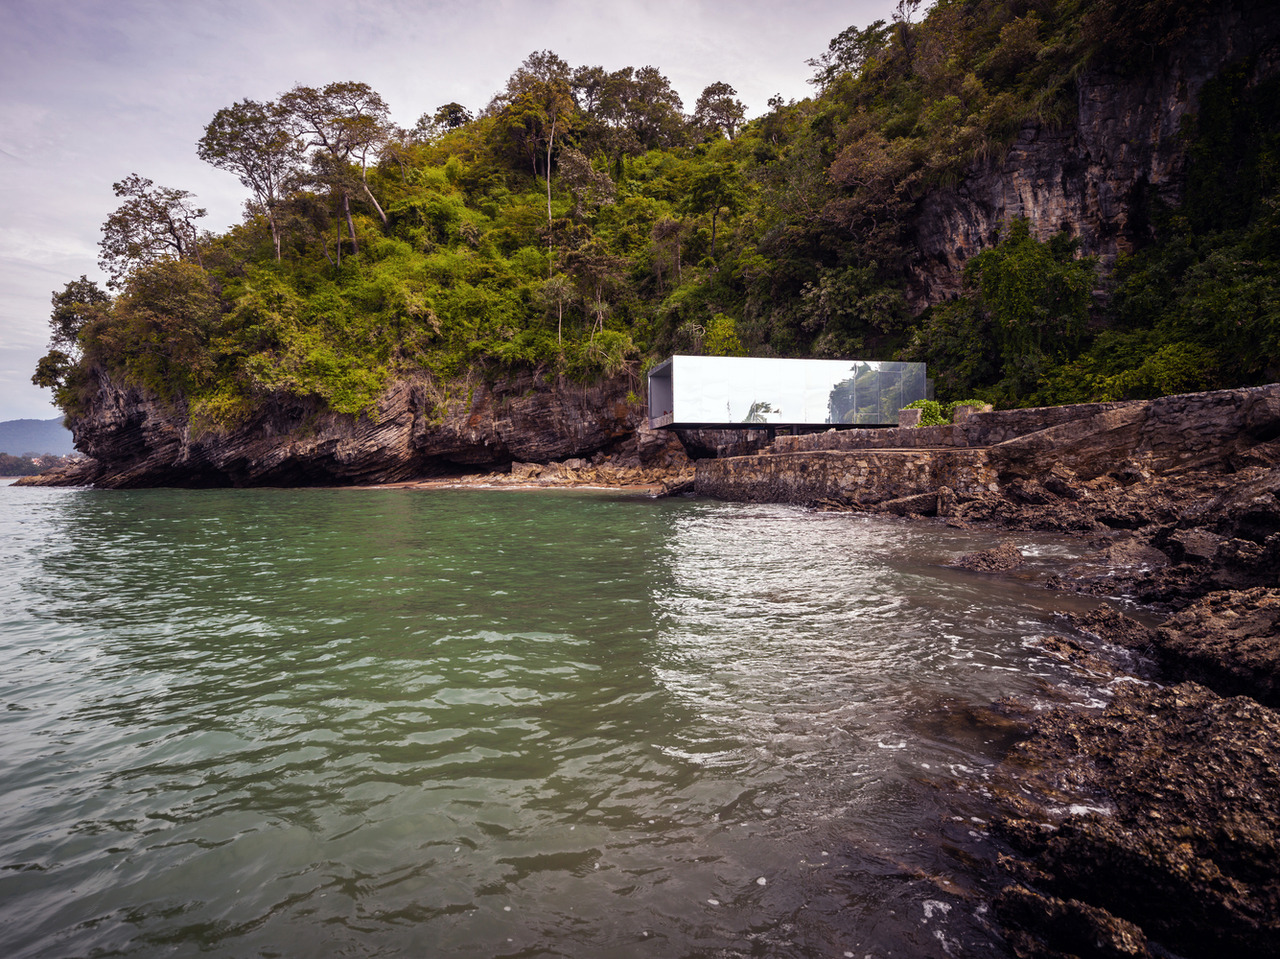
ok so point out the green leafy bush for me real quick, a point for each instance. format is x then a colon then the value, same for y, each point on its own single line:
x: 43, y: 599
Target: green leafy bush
x: 934, y: 413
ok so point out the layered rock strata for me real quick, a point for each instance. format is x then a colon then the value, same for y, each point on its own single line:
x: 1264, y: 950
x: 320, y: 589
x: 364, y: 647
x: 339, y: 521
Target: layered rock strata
x: 418, y: 429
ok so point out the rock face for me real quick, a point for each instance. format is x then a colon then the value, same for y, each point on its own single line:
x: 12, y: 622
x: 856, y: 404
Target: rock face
x: 1167, y: 828
x: 1188, y: 431
x: 419, y: 429
x: 1100, y: 178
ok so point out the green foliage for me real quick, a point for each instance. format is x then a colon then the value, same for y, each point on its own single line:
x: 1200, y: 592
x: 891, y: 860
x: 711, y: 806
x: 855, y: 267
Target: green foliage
x: 1025, y: 310
x: 79, y: 303
x: 582, y: 226
x: 935, y: 413
x: 930, y: 412
x: 722, y: 337
x: 1036, y: 296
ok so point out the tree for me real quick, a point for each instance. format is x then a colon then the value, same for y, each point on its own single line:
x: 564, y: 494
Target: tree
x: 848, y: 53
x: 713, y: 190
x: 653, y: 109
x: 1037, y: 296
x: 450, y: 116
x: 717, y: 110
x: 664, y: 249
x: 590, y: 87
x: 344, y: 122
x: 602, y: 97
x: 555, y: 293
x: 535, y: 106
x: 52, y: 370
x: 79, y: 302
x: 597, y: 274
x: 590, y: 187
x: 253, y: 141
x: 153, y: 223
x: 160, y: 327
x: 447, y: 116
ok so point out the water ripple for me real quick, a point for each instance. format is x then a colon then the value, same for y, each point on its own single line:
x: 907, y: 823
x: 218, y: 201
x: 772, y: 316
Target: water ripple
x: 479, y: 724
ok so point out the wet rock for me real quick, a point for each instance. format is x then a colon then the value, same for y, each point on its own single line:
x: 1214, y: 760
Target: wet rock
x: 1112, y: 626
x: 922, y: 504
x: 999, y: 558
x: 1133, y: 553
x: 1229, y: 641
x: 1079, y: 656
x: 1046, y: 927
x: 1163, y: 811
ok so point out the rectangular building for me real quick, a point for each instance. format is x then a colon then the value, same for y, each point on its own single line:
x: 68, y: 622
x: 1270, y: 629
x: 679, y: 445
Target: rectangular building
x: 751, y: 392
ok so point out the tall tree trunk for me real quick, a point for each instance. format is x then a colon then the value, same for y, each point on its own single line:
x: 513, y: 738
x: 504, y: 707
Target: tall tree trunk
x: 551, y: 140
x: 364, y: 182
x: 275, y: 231
x: 351, y: 224
x: 550, y: 248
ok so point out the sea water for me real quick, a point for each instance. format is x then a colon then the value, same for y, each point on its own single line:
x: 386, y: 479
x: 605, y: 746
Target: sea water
x: 499, y: 723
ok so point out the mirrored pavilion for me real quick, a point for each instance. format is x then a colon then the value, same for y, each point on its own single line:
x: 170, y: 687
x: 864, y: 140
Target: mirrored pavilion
x: 755, y: 392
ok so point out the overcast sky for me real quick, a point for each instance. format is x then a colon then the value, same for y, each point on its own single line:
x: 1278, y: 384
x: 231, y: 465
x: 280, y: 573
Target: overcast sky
x: 93, y: 90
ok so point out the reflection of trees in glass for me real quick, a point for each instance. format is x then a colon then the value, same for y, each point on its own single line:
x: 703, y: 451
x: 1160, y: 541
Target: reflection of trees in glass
x: 841, y: 404
x: 856, y: 399
x: 758, y: 410
x: 875, y: 392
x: 891, y: 398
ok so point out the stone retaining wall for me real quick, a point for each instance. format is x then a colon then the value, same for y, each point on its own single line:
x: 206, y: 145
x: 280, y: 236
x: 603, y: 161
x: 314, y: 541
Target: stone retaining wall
x: 865, y: 477
x: 980, y: 429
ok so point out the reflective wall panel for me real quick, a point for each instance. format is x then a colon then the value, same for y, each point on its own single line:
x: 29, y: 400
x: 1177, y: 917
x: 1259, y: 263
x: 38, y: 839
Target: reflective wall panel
x: 754, y: 391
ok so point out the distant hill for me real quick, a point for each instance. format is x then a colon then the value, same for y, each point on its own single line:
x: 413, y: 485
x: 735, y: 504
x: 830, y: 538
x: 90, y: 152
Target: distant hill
x: 35, y: 436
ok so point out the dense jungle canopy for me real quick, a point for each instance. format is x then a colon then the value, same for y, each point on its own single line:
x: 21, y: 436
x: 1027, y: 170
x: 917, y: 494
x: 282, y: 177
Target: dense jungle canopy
x: 587, y: 221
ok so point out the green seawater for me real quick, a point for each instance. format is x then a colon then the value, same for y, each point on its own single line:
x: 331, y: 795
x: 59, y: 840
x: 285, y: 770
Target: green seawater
x: 493, y: 723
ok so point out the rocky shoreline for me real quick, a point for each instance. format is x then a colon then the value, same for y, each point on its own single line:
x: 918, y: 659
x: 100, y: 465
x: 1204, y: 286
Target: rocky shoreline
x: 1150, y: 827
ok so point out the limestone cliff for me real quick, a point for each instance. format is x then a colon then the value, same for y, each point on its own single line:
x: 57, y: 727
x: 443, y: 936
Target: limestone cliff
x: 419, y: 429
x: 1100, y: 177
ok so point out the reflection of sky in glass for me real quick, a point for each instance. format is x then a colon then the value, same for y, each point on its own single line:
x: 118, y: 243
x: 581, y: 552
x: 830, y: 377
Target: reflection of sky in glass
x: 743, y: 390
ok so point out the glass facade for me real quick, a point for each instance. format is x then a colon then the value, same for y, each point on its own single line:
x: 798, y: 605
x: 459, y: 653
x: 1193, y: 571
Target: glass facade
x: 751, y: 392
